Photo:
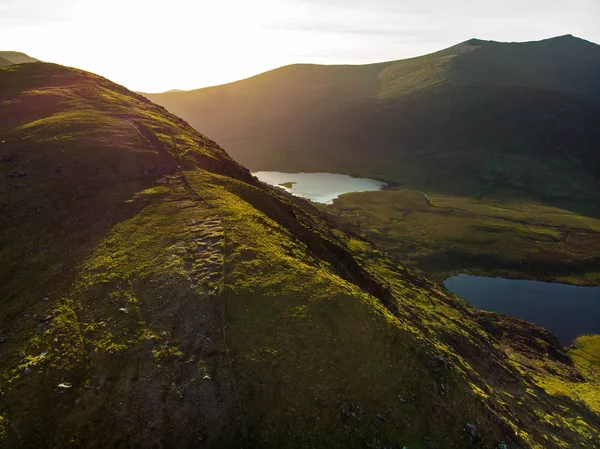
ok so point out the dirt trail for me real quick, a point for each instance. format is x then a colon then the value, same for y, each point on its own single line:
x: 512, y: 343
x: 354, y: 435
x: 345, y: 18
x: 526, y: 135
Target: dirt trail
x: 167, y: 166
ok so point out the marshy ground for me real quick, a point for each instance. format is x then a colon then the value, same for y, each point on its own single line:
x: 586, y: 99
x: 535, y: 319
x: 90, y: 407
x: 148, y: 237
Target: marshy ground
x: 442, y: 235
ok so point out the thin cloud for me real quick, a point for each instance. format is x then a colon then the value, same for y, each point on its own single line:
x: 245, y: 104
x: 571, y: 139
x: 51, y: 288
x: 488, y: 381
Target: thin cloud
x: 8, y: 5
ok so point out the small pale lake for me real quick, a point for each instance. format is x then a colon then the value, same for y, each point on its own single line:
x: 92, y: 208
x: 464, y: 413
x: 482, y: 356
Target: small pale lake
x: 566, y: 310
x: 318, y: 187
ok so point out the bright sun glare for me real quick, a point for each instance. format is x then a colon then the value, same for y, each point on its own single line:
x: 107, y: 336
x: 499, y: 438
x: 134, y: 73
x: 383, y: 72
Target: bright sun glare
x: 155, y: 45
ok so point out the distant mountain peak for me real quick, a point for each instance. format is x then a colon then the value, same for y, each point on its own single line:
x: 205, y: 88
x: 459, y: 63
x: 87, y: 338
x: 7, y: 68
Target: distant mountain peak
x: 14, y: 57
x: 565, y: 37
x: 474, y: 42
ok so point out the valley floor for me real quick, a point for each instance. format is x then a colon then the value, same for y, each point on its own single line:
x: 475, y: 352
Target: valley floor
x: 443, y: 235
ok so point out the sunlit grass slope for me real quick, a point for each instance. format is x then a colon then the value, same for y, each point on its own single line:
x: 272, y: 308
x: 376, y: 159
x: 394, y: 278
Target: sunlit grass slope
x: 156, y: 295
x: 474, y: 119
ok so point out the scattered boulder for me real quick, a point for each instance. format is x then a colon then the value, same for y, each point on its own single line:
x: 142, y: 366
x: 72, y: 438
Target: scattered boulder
x: 471, y: 431
x: 124, y: 310
x: 440, y: 362
x: 407, y: 399
x: 64, y: 386
x: 429, y: 444
x: 102, y: 382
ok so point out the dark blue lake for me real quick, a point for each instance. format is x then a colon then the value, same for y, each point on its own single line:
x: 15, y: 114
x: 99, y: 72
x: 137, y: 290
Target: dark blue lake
x: 566, y: 310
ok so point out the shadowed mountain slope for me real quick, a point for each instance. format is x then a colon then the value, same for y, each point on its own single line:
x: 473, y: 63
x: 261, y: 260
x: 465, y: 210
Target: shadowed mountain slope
x: 474, y: 119
x: 154, y: 294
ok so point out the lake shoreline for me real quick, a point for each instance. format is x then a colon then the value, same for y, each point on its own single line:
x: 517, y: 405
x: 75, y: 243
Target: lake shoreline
x: 318, y: 187
x: 568, y: 311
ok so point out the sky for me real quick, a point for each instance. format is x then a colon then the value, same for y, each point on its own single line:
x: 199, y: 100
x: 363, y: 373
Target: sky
x: 153, y: 46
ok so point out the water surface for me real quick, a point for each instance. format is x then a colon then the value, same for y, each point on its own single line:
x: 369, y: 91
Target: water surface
x: 319, y: 187
x: 566, y: 310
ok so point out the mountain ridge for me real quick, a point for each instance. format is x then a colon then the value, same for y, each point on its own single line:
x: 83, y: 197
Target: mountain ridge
x: 569, y: 39
x: 425, y: 122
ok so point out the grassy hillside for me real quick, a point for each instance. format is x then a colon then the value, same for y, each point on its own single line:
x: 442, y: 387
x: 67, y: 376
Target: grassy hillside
x: 154, y: 294
x: 442, y: 235
x: 563, y: 64
x: 477, y: 118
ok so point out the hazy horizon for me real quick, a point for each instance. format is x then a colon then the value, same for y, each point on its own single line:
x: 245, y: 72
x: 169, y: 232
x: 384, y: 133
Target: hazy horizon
x: 154, y: 46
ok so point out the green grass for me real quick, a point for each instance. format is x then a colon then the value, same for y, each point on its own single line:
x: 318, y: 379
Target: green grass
x: 300, y: 337
x: 162, y: 297
x: 510, y: 237
x: 294, y: 331
x: 117, y: 262
x: 585, y: 351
